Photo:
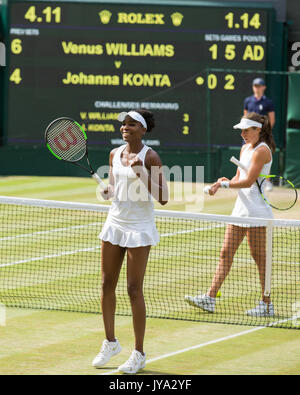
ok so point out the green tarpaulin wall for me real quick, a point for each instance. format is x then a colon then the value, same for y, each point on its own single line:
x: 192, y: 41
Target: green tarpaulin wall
x: 293, y: 112
x: 292, y: 157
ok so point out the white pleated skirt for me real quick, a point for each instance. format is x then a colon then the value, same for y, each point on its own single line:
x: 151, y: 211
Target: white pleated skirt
x: 129, y: 234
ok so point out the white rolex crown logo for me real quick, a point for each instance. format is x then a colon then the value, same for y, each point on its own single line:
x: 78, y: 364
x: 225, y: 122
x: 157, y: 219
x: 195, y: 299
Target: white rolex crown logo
x: 105, y: 16
x: 177, y: 18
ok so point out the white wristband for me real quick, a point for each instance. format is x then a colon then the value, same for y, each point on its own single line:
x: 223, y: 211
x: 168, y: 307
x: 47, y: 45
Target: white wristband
x: 224, y: 184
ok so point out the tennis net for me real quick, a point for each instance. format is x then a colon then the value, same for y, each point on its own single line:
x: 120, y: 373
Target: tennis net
x: 50, y: 259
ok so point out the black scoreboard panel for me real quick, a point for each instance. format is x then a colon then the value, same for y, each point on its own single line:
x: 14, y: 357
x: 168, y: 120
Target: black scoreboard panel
x: 89, y: 61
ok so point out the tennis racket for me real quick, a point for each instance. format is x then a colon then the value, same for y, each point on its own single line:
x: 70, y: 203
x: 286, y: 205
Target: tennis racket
x: 280, y: 195
x: 66, y: 140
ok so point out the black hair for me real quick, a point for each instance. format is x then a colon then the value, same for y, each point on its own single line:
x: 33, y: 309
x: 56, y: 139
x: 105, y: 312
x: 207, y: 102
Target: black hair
x: 266, y: 130
x: 149, y: 118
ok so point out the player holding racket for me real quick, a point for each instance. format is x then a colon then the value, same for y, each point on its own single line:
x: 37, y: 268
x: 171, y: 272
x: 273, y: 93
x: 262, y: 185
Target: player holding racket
x: 256, y: 155
x: 130, y: 227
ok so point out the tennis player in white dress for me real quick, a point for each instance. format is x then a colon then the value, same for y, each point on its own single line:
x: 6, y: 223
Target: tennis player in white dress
x: 135, y: 177
x: 256, y: 155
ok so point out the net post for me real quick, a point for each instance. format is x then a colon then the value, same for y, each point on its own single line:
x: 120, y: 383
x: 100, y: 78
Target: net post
x: 269, y: 257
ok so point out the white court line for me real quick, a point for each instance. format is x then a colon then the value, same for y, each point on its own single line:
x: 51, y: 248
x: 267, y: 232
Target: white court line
x: 92, y: 249
x: 97, y: 247
x: 194, y: 347
x: 45, y: 232
x: 40, y: 258
x: 70, y: 252
x: 197, y: 346
x: 180, y: 232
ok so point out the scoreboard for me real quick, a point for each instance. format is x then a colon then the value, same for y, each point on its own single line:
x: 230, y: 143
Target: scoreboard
x: 90, y: 61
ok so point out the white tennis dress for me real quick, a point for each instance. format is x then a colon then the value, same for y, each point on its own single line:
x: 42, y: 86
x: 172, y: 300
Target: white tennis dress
x: 130, y: 221
x: 249, y: 202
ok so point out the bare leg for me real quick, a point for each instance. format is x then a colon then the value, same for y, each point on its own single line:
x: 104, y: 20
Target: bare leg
x: 233, y: 237
x: 137, y: 259
x: 257, y: 243
x: 111, y: 262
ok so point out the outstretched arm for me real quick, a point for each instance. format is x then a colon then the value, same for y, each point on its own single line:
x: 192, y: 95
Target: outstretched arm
x: 259, y: 159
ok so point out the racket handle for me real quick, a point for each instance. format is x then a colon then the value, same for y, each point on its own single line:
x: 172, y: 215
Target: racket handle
x: 207, y: 189
x: 99, y: 181
x: 238, y: 163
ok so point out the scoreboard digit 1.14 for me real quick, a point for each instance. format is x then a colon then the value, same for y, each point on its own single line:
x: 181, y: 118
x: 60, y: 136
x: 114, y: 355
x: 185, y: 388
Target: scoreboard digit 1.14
x: 89, y: 61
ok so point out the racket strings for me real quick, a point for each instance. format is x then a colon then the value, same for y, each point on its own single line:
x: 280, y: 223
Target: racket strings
x: 279, y: 193
x: 66, y: 140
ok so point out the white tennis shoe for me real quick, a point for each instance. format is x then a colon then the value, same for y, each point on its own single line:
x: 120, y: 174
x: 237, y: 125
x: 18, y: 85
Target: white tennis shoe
x: 135, y: 362
x: 108, y: 350
x: 205, y: 302
x: 262, y: 310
